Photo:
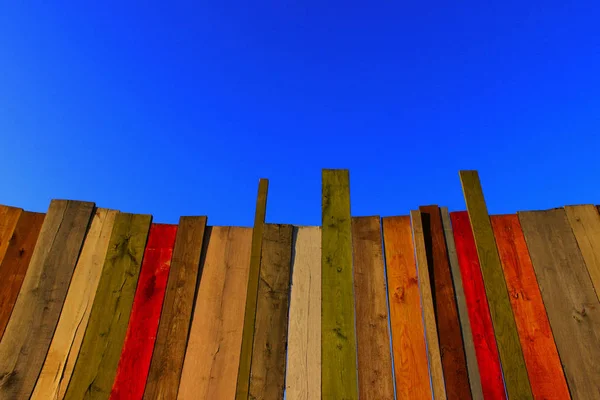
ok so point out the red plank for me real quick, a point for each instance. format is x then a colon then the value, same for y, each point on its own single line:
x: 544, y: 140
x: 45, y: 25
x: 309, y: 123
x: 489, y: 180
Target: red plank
x: 134, y: 364
x: 479, y: 313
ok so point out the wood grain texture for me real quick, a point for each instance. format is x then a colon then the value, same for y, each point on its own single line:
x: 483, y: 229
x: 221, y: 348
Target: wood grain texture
x: 505, y: 328
x: 213, y: 353
x: 66, y: 342
x: 431, y: 333
x: 569, y: 297
x: 9, y: 216
x: 463, y: 312
x: 29, y: 331
x: 339, y: 378
x: 15, y: 262
x: 411, y: 368
x: 446, y: 313
x: 175, y: 320
x: 134, y: 363
x: 541, y: 357
x: 375, y: 380
x: 243, y: 378
x: 96, y: 365
x: 303, y: 373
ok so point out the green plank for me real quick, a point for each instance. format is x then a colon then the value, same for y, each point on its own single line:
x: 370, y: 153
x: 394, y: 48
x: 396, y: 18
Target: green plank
x: 338, y: 337
x: 505, y: 329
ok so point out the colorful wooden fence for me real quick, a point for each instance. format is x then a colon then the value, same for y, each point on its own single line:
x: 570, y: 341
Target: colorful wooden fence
x: 99, y: 304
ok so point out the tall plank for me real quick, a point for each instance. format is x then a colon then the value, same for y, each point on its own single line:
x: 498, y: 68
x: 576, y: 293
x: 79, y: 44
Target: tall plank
x: 243, y: 377
x: 505, y: 329
x: 541, y: 357
x: 338, y: 351
x: 303, y: 372
x: 96, y: 365
x: 373, y: 341
x: 463, y: 312
x: 29, y: 331
x: 411, y: 368
x: 64, y: 348
x: 213, y: 352
x: 569, y: 297
x: 446, y: 313
x: 134, y: 364
x: 175, y: 319
x: 9, y: 216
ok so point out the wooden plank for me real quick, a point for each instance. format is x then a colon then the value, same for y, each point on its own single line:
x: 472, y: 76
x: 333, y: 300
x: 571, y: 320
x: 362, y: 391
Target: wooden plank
x: 569, y: 297
x: 175, y: 319
x: 375, y: 379
x: 243, y: 377
x: 463, y: 312
x: 541, y: 357
x: 303, y: 373
x: 134, y: 364
x: 446, y: 313
x: 9, y: 216
x: 64, y: 348
x: 339, y: 378
x: 505, y: 328
x: 15, y: 262
x: 411, y: 368
x: 96, y: 365
x: 29, y: 331
x: 213, y: 353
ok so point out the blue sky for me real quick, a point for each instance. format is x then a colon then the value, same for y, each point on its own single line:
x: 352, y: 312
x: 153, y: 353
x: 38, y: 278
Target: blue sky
x: 178, y: 108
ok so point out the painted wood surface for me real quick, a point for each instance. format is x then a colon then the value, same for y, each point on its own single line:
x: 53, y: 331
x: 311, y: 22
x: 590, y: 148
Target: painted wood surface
x: 15, y: 262
x: 338, y: 337
x: 9, y: 216
x: 505, y: 329
x: 431, y: 333
x: 96, y: 365
x: 303, y: 372
x: 134, y: 363
x: 569, y: 297
x: 446, y: 312
x: 541, y: 357
x: 175, y: 320
x: 66, y: 342
x: 267, y: 375
x: 29, y: 331
x: 484, y: 340
x: 463, y: 312
x: 411, y: 369
x: 213, y: 352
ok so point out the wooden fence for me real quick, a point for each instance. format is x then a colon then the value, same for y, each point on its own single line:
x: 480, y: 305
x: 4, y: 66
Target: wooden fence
x: 98, y: 304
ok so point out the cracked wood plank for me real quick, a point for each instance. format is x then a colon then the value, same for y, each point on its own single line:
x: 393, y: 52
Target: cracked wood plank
x: 9, y: 216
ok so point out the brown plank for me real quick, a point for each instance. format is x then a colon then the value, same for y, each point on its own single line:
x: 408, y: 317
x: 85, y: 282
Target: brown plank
x: 9, y: 216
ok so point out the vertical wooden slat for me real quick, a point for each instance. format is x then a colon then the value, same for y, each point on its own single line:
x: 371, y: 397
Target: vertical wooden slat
x: 373, y: 341
x: 569, y: 297
x: 338, y: 336
x: 505, y: 329
x: 411, y: 368
x: 213, y: 352
x: 9, y: 216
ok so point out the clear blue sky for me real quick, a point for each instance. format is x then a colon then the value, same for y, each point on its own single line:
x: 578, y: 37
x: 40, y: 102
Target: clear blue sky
x: 175, y: 108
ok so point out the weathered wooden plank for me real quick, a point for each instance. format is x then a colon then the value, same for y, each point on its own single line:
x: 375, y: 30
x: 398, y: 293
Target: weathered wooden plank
x: 431, y: 333
x: 175, y: 319
x: 303, y: 373
x: 213, y: 352
x: 134, y: 363
x: 375, y: 379
x: 15, y: 262
x: 463, y: 312
x: 569, y: 298
x: 9, y: 216
x: 541, y: 357
x: 339, y: 378
x: 267, y: 376
x: 243, y: 377
x: 505, y: 329
x: 96, y: 365
x: 411, y: 368
x: 64, y: 348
